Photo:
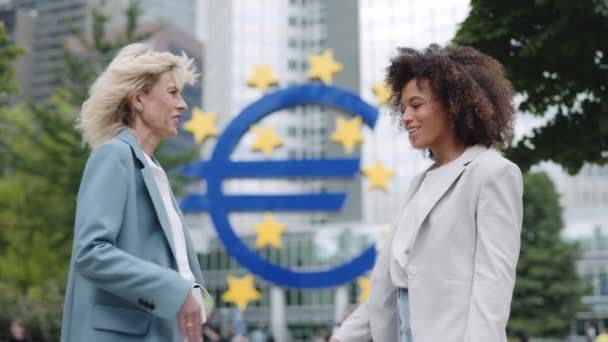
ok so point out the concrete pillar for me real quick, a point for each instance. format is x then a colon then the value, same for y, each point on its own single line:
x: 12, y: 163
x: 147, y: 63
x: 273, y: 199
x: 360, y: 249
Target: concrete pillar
x: 341, y: 300
x: 278, y: 324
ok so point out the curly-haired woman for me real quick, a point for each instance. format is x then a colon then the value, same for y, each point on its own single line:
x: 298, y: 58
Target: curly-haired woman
x: 448, y: 269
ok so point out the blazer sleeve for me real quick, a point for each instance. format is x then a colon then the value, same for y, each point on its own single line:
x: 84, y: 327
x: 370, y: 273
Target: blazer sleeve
x: 356, y: 327
x: 100, y: 210
x: 499, y: 220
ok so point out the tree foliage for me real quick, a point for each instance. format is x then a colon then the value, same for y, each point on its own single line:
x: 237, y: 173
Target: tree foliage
x: 556, y: 55
x: 8, y: 53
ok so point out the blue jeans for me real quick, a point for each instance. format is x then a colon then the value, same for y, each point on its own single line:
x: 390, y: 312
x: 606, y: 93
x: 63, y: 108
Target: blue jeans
x: 403, y: 309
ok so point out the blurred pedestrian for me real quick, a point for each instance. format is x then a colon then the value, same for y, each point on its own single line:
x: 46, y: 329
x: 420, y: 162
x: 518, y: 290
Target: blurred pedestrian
x: 258, y: 334
x: 591, y: 333
x: 18, y: 332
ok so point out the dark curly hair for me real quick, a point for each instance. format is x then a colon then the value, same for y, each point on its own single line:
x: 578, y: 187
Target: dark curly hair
x: 470, y: 84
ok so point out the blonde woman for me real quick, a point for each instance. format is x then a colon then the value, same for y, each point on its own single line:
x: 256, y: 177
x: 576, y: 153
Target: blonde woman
x: 134, y: 272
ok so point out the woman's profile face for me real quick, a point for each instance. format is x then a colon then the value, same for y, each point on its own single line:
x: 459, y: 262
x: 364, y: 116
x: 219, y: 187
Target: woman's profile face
x: 424, y: 116
x: 162, y: 107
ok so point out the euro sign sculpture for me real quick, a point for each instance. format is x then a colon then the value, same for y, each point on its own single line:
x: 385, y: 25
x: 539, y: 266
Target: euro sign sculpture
x: 220, y: 167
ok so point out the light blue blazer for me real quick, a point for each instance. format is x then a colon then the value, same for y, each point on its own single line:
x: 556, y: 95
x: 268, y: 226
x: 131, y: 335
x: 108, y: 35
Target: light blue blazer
x: 123, y: 283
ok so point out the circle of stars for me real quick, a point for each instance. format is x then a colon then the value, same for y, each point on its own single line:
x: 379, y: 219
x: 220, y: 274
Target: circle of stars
x: 203, y: 125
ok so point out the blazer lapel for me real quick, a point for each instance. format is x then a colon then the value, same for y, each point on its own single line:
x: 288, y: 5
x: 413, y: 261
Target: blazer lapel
x: 148, y: 177
x: 414, y: 185
x: 436, y: 191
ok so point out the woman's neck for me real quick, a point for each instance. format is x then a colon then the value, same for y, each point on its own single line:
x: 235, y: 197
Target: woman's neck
x: 447, y: 153
x: 146, y: 139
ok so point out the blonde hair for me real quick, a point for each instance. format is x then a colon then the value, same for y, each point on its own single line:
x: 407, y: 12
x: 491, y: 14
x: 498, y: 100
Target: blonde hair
x: 134, y: 70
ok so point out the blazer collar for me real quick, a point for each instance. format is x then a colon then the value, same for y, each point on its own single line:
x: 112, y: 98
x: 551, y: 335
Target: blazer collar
x: 468, y: 156
x: 146, y: 172
x: 125, y: 135
x: 434, y: 193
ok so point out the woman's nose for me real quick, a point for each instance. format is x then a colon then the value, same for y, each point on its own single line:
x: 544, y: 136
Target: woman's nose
x: 182, y: 104
x: 406, y: 118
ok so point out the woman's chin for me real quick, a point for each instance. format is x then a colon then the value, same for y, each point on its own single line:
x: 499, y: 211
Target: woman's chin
x: 172, y: 132
x: 417, y: 145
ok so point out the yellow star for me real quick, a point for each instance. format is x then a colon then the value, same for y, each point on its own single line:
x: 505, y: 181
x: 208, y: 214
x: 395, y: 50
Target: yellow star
x: 385, y: 233
x: 201, y: 125
x: 382, y: 93
x: 364, y: 287
x: 269, y: 232
x: 241, y: 291
x: 378, y: 176
x: 323, y: 66
x: 348, y: 133
x: 262, y: 77
x: 266, y: 140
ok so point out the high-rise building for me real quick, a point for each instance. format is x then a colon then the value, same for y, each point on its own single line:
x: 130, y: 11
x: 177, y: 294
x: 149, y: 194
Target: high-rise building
x: 181, y: 14
x: 56, y: 20
x: 583, y: 197
x: 283, y: 34
x: 19, y: 25
x: 592, y: 266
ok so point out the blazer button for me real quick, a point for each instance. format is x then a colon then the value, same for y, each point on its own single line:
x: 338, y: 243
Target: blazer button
x: 412, y: 270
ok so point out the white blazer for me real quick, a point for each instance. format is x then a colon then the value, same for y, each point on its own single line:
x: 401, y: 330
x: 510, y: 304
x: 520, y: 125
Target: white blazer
x: 461, y: 266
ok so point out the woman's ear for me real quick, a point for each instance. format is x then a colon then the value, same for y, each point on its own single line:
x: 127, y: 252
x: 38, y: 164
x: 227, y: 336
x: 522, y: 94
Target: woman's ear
x: 136, y: 103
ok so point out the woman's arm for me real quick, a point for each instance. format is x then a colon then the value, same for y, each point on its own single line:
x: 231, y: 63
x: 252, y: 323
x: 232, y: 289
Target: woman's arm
x: 499, y: 219
x: 99, y: 218
x: 356, y: 327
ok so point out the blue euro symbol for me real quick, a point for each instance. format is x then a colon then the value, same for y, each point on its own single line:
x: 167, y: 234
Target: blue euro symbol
x: 220, y: 167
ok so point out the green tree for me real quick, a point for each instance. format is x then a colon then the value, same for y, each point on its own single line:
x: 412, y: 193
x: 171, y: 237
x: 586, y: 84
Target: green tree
x: 556, y: 55
x: 548, y: 290
x: 8, y: 54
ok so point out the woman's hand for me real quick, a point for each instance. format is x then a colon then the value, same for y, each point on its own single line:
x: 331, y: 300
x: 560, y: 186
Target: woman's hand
x: 189, y: 320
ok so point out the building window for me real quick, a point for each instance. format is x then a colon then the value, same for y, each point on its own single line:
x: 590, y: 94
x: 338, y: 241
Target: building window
x: 292, y: 43
x: 603, y: 282
x: 292, y: 21
x: 292, y: 64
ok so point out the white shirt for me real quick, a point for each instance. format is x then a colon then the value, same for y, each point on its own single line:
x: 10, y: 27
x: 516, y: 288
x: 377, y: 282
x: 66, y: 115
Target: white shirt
x: 177, y: 229
x: 404, y: 236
